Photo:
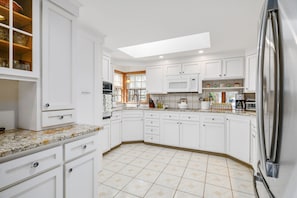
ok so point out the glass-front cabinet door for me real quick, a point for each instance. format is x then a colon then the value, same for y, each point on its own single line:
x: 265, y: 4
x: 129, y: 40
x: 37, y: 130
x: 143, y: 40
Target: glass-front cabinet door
x: 16, y: 36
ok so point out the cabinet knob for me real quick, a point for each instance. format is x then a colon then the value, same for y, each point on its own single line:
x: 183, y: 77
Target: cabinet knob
x: 220, y: 75
x: 61, y: 117
x: 227, y: 119
x: 212, y: 118
x: 224, y: 74
x: 84, y: 146
x: 35, y: 164
x: 169, y: 116
x: 203, y: 125
x: 189, y: 117
x: 47, y: 105
x: 70, y: 170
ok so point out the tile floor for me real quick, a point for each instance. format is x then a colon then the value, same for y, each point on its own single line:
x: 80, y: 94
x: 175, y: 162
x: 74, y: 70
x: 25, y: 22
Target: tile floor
x: 140, y: 170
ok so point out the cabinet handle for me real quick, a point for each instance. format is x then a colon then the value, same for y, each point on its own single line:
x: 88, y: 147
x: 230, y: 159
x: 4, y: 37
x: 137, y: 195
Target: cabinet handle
x: 203, y: 125
x: 212, y: 118
x: 84, y: 146
x: 61, y: 117
x: 169, y: 116
x: 35, y: 164
x: 224, y: 74
x: 227, y: 119
x: 47, y: 105
x: 189, y: 117
x: 220, y: 75
x: 70, y: 170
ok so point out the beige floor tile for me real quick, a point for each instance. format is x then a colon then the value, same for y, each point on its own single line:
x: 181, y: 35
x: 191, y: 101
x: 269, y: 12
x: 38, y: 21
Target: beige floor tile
x: 157, y: 166
x: 158, y: 191
x: 148, y: 175
x: 124, y: 195
x: 137, y: 187
x: 239, y: 174
x: 218, y: 180
x: 195, y: 174
x: 180, y: 194
x: 148, y: 156
x: 104, y: 175
x: 118, y: 181
x: 114, y: 166
x: 197, y: 165
x: 169, y: 181
x: 112, y: 156
x: 199, y: 157
x: 126, y: 159
x: 161, y: 158
x: 235, y: 165
x: 216, y: 192
x: 139, y: 162
x: 130, y: 171
x: 178, y: 162
x: 217, y: 160
x: 174, y: 170
x: 220, y: 170
x: 106, y: 191
x: 134, y: 153
x: 106, y: 161
x: 168, y: 153
x: 191, y: 186
x: 182, y: 155
x: 242, y: 195
x: 242, y: 186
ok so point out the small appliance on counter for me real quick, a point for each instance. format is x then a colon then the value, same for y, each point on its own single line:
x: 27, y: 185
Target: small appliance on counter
x: 250, y: 105
x: 107, y: 99
x: 183, y: 104
x: 239, y: 102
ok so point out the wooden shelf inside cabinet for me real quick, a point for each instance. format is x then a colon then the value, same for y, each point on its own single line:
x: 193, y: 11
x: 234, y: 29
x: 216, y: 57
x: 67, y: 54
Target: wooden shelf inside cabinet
x: 220, y: 88
x: 18, y: 48
x: 19, y: 19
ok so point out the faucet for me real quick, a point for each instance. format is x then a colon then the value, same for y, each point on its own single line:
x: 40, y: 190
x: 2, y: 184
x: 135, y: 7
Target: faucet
x: 137, y: 99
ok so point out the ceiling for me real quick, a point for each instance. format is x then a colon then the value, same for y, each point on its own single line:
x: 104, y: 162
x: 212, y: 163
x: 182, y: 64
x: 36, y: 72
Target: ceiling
x: 232, y: 24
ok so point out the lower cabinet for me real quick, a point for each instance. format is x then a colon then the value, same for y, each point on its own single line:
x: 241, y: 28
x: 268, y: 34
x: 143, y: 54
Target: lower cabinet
x: 132, y: 125
x: 213, y: 134
x: 46, y: 185
x: 238, y: 137
x: 115, y: 132
x: 189, y: 134
x: 170, y: 132
x: 254, y: 145
x: 104, y: 136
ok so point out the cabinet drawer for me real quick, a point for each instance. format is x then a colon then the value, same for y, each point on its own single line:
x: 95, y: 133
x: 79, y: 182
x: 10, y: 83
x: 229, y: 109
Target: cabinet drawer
x: 152, y: 138
x: 116, y: 115
x: 80, y: 147
x: 24, y: 167
x: 152, y: 122
x: 133, y: 114
x: 153, y: 115
x: 51, y: 118
x: 190, y: 117
x: 170, y: 116
x: 214, y: 118
x: 152, y: 130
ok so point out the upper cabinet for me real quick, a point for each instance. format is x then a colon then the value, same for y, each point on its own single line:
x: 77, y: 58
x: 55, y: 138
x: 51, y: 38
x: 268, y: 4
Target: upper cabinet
x: 231, y: 68
x: 187, y: 68
x: 175, y: 69
x: 17, y: 27
x: 155, y: 79
x: 106, y: 69
x: 251, y: 73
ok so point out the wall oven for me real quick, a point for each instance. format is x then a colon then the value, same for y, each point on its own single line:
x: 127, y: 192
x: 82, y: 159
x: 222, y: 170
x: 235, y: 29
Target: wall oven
x: 107, y: 99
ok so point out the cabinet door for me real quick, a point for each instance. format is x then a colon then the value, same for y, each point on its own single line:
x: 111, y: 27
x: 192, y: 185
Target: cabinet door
x: 104, y: 136
x: 213, y: 137
x: 212, y: 69
x: 106, y: 69
x: 155, y: 79
x: 233, y: 68
x: 170, y: 132
x: 81, y: 177
x: 174, y: 69
x: 58, y: 29
x: 238, y: 138
x: 189, y: 134
x: 254, y: 147
x: 115, y: 133
x: 132, y: 129
x: 191, y: 68
x: 251, y: 73
x: 46, y: 185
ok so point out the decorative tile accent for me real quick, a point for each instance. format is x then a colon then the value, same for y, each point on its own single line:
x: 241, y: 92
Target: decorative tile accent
x: 178, y: 162
x: 106, y: 191
x: 157, y: 166
x: 114, y: 166
x: 148, y: 156
x: 148, y: 175
x: 134, y: 153
x: 243, y: 175
x: 197, y: 165
x: 218, y: 180
x: 162, y: 158
x: 140, y: 162
x: 242, y: 186
x: 158, y: 191
x: 217, y: 192
x: 191, y: 186
x: 169, y: 181
x: 129, y: 170
x: 220, y: 170
x: 118, y: 181
x: 126, y: 159
x: 179, y: 194
x: 174, y: 170
x: 216, y: 160
x: 183, y: 155
x: 195, y: 174
x: 199, y: 157
x: 137, y: 187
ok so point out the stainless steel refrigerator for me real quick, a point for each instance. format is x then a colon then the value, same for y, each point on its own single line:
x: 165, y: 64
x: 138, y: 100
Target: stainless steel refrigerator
x: 277, y: 100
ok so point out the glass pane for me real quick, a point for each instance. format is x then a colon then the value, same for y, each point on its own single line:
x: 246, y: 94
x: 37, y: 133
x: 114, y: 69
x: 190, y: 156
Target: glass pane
x: 22, y: 15
x: 143, y: 85
x: 4, y: 47
x: 137, y: 84
x: 143, y: 77
x: 138, y: 78
x: 22, y: 51
x: 4, y: 12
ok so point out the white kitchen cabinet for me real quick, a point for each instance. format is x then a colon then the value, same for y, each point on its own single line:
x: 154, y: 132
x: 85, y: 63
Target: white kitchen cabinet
x: 187, y: 68
x: 155, y: 79
x: 213, y: 133
x: 230, y: 68
x: 47, y: 185
x: 238, y: 137
x: 80, y: 177
x: 251, y: 73
x: 152, y: 127
x: 107, y: 70
x: 116, y: 129
x: 175, y: 69
x: 189, y: 134
x: 254, y: 146
x: 104, y: 136
x: 132, y: 125
x: 58, y: 38
x: 170, y: 132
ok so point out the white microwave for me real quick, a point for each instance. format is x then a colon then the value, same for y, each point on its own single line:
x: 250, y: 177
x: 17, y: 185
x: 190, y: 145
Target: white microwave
x: 183, y: 83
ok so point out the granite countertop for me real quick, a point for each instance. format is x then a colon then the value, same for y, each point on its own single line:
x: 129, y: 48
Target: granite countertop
x: 20, y: 140
x: 233, y: 112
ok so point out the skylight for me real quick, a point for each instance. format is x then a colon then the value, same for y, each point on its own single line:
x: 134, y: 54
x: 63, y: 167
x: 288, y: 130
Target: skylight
x: 179, y: 44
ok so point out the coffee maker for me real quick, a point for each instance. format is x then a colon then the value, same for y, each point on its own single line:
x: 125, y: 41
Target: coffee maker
x: 239, y: 102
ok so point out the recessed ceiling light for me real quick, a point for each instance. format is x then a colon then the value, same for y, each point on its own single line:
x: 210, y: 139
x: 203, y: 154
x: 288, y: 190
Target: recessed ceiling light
x: 161, y: 57
x: 179, y: 44
x: 200, y: 52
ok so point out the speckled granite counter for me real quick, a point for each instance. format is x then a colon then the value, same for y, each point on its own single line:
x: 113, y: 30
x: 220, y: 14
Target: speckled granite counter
x: 19, y: 140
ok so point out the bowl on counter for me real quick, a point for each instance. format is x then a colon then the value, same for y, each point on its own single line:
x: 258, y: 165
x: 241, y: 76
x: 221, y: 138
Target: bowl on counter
x: 182, y: 105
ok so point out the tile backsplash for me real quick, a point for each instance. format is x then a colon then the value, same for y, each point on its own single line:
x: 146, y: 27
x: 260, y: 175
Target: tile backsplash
x: 173, y: 98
